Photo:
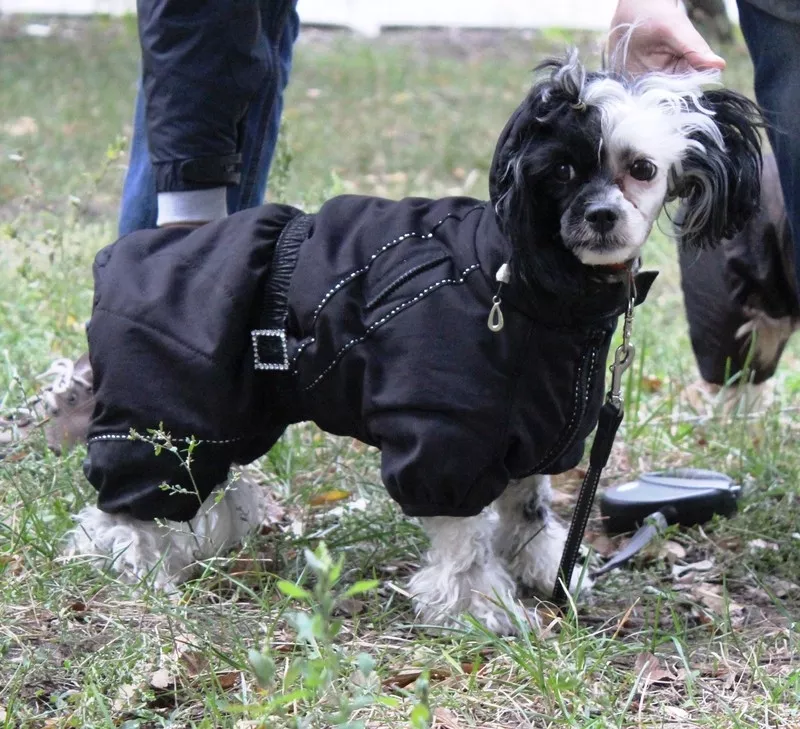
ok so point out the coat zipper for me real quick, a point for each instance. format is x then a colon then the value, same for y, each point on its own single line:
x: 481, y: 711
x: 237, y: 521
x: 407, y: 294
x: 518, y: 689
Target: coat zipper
x: 587, y: 369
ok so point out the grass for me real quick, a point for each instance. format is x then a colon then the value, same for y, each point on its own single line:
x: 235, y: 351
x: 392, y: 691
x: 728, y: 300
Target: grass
x: 407, y: 113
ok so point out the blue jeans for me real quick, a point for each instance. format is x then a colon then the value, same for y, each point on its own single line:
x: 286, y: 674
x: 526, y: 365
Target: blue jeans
x: 139, y: 208
x: 774, y: 46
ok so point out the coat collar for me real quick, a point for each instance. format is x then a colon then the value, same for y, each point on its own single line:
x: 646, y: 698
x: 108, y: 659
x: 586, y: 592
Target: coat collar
x: 603, y: 298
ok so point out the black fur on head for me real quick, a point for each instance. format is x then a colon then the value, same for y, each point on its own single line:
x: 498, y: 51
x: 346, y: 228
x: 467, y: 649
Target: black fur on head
x: 544, y: 129
x: 586, y: 162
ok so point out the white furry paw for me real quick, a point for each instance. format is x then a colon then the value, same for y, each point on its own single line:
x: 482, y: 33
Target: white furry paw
x: 534, y: 562
x: 165, y: 553
x: 444, y: 597
x: 463, y: 576
x: 135, y: 550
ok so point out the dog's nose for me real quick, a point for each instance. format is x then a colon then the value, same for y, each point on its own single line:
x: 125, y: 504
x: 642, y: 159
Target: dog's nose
x: 601, y: 218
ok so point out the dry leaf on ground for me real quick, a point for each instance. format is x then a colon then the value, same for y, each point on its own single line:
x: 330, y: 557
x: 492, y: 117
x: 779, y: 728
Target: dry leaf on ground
x: 22, y: 127
x: 781, y: 588
x: 186, y: 662
x: 679, y: 571
x: 712, y: 597
x: 162, y: 680
x: 13, y: 563
x: 672, y: 552
x: 228, y: 679
x: 651, y: 383
x: 651, y: 670
x: 329, y: 497
x: 185, y: 652
x: 676, y: 713
x: 755, y: 545
x: 406, y: 677
x: 445, y: 719
x: 124, y: 698
x: 600, y: 543
x: 350, y: 606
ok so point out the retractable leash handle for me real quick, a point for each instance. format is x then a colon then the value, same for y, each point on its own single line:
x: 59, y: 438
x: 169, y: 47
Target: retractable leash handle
x: 608, y: 423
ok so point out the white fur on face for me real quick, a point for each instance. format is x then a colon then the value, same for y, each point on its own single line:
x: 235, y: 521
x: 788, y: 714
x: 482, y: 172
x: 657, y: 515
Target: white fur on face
x: 649, y: 120
x: 629, y: 234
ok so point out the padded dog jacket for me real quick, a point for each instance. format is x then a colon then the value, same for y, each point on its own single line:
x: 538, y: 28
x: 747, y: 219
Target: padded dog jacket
x: 368, y: 318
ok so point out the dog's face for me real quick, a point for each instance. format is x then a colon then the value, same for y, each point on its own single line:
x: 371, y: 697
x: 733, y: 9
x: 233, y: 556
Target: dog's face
x: 590, y: 160
x: 610, y: 199
x: 606, y: 176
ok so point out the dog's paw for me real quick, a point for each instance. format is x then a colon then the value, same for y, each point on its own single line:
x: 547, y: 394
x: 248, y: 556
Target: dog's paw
x: 163, y: 554
x: 534, y: 565
x: 158, y: 554
x: 443, y: 598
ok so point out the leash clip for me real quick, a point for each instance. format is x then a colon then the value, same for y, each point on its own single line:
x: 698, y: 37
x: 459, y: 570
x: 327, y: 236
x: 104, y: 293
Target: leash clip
x: 624, y: 355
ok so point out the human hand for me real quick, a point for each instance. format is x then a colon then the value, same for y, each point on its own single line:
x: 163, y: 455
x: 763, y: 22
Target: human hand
x: 664, y: 39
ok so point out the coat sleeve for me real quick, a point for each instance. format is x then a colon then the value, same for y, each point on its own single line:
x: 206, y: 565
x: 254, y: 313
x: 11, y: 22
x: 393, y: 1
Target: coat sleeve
x: 202, y: 63
x: 434, y: 465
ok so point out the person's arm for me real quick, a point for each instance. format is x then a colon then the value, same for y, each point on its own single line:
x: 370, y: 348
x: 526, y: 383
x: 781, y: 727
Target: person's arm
x: 201, y: 65
x: 664, y: 39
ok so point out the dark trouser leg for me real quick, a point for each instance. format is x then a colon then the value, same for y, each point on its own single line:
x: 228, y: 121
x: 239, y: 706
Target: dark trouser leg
x: 748, y: 284
x: 775, y: 48
x: 741, y: 288
x: 258, y: 135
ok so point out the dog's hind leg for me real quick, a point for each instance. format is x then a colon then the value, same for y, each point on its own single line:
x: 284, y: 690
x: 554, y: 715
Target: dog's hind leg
x: 463, y: 575
x: 529, y: 537
x: 165, y: 553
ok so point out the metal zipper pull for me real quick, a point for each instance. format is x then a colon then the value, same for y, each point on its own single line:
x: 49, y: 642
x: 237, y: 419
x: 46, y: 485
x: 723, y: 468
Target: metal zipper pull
x: 496, y: 321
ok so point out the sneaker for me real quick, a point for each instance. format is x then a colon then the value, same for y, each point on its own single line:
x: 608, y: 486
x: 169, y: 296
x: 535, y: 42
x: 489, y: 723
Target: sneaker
x: 709, y: 401
x: 62, y: 409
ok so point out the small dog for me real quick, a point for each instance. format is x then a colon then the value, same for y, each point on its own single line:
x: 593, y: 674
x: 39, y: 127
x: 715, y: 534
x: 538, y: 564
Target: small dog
x: 465, y: 339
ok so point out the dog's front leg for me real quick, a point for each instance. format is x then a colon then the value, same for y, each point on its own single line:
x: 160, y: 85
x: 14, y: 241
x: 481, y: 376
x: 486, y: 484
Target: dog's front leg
x: 529, y: 537
x: 463, y: 575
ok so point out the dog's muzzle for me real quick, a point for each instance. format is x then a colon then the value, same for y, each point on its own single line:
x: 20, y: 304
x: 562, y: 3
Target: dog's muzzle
x: 602, y: 218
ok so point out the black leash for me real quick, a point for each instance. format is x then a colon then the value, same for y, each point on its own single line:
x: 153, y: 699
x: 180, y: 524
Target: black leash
x: 607, y: 425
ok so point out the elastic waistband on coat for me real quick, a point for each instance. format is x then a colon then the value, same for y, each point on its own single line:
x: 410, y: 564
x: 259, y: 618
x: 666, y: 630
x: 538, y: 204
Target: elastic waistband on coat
x: 269, y: 339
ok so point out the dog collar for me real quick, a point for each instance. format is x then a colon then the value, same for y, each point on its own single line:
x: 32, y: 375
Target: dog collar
x: 615, y: 272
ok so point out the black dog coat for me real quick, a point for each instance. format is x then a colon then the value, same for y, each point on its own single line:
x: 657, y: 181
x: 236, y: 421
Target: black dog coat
x: 373, y: 324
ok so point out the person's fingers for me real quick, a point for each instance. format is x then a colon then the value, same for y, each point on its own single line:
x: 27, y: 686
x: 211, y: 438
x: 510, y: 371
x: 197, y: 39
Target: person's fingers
x: 658, y: 37
x: 692, y: 48
x: 704, y: 61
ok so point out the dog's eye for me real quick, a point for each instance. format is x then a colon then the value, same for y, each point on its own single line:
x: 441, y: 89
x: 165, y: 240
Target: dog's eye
x: 643, y: 170
x: 563, y: 172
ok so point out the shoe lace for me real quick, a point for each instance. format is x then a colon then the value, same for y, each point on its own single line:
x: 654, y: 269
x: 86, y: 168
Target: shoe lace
x: 62, y: 376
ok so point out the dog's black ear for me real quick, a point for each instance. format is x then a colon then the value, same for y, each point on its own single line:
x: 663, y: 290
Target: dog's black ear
x: 515, y: 170
x: 509, y: 181
x: 720, y: 187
